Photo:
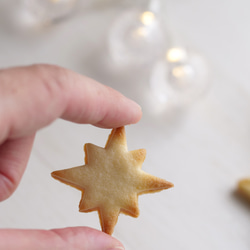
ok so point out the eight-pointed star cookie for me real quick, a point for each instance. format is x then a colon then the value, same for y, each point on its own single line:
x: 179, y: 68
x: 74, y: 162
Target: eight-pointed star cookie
x: 111, y: 180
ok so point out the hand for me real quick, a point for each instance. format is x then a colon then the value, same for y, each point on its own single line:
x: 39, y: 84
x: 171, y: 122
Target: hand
x: 31, y: 98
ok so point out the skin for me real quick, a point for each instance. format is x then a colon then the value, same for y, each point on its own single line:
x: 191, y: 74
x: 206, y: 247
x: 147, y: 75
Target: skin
x: 31, y: 98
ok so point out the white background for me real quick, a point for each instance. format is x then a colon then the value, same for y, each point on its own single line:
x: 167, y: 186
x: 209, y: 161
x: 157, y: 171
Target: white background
x: 204, y: 149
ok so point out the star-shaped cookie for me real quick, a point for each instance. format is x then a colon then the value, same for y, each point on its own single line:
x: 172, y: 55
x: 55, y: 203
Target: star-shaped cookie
x: 111, y: 180
x: 244, y: 188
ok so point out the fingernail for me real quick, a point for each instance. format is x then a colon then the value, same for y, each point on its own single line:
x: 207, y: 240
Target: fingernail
x: 136, y: 112
x: 115, y: 245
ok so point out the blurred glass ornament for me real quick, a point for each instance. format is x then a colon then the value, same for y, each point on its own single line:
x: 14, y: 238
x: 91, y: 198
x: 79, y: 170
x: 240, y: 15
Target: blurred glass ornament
x: 179, y: 79
x: 137, y: 37
x: 33, y: 13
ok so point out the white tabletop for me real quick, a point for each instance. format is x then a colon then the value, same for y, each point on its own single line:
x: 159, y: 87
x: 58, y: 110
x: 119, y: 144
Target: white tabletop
x: 204, y: 149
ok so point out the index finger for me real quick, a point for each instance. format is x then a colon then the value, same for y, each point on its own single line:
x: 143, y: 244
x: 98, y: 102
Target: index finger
x: 32, y: 97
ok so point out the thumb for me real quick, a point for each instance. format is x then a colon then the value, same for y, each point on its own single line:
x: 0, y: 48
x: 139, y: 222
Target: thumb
x: 67, y: 238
